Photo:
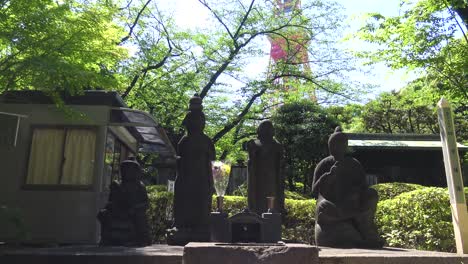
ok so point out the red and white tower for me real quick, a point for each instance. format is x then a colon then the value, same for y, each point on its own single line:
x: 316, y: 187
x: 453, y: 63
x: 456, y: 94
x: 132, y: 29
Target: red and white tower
x: 289, y: 49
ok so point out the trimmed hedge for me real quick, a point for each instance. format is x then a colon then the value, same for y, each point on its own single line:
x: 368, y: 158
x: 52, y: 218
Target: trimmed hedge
x: 391, y: 190
x: 242, y: 191
x: 298, y: 223
x: 419, y: 219
x: 408, y: 216
x: 159, y: 213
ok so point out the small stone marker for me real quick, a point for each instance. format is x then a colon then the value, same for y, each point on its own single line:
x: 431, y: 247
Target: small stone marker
x: 249, y: 253
x: 454, y: 176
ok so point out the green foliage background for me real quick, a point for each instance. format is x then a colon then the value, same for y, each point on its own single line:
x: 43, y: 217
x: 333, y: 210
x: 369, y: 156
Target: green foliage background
x: 408, y: 216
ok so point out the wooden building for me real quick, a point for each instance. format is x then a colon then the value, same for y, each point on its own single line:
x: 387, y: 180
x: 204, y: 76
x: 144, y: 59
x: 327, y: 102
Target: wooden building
x: 407, y: 158
x: 56, y: 163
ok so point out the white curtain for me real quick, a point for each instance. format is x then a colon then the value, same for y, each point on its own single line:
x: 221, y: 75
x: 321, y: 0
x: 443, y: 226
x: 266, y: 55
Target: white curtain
x: 45, y: 157
x: 79, y: 154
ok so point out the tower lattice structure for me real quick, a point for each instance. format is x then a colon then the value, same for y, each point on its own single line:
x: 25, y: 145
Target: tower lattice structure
x: 289, y: 50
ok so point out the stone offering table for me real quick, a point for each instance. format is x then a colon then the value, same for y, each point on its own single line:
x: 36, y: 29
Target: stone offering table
x: 249, y: 253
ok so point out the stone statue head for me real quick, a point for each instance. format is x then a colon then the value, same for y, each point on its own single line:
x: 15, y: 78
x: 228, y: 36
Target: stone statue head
x: 130, y: 171
x: 338, y: 143
x: 265, y: 131
x: 194, y: 120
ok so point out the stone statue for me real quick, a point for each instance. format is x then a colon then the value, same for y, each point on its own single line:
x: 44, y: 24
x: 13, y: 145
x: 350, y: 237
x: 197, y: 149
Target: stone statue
x: 194, y: 181
x: 265, y: 177
x: 123, y: 220
x: 345, y: 204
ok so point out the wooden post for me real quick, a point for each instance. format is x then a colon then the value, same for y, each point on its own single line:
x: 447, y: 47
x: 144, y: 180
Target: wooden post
x: 454, y: 175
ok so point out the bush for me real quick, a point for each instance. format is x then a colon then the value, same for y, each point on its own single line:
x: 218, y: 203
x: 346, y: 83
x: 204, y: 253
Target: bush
x: 294, y: 195
x: 156, y: 188
x: 298, y: 224
x: 391, y: 190
x: 232, y: 204
x: 419, y: 219
x: 241, y: 190
x: 159, y: 213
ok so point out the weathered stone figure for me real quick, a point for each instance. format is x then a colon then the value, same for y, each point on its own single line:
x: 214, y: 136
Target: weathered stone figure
x: 345, y: 204
x: 265, y: 177
x: 194, y: 182
x: 123, y: 220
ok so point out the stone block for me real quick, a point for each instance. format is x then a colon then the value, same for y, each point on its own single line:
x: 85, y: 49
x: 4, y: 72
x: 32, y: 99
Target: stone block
x: 249, y: 253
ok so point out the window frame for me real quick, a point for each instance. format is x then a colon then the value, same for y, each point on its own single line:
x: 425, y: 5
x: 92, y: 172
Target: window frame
x: 123, y: 145
x: 59, y: 187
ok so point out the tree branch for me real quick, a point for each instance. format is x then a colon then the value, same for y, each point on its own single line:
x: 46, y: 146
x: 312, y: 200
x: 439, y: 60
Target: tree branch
x: 463, y: 13
x: 218, y: 18
x: 239, y: 117
x: 244, y: 19
x: 151, y: 67
x: 312, y: 81
x: 135, y: 22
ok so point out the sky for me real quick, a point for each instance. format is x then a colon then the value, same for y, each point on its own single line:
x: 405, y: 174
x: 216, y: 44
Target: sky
x: 191, y: 14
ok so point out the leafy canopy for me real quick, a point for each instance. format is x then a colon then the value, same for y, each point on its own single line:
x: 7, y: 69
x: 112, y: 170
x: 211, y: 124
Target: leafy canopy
x: 59, y: 45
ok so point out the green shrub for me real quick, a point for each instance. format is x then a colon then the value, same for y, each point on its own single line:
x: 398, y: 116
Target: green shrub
x: 159, y: 213
x: 391, y: 190
x: 298, y: 186
x: 419, y: 219
x: 232, y: 204
x: 298, y: 224
x: 294, y: 195
x: 241, y: 190
x: 156, y: 188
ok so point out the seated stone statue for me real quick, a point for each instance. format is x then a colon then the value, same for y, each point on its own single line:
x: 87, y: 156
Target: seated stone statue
x: 265, y: 177
x: 345, y: 204
x: 123, y: 220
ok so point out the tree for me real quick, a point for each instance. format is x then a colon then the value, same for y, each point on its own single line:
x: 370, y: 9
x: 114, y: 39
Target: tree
x: 59, y: 45
x: 412, y: 110
x: 73, y: 45
x: 426, y: 36
x: 209, y: 60
x: 303, y: 128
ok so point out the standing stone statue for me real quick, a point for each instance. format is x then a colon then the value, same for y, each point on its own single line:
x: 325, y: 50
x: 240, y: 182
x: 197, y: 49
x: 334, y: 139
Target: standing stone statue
x: 123, y: 220
x: 345, y: 204
x: 265, y: 177
x: 194, y: 181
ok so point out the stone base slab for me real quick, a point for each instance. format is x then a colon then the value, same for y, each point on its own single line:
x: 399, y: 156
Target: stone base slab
x: 388, y: 256
x: 249, y: 253
x: 92, y: 254
x: 164, y: 254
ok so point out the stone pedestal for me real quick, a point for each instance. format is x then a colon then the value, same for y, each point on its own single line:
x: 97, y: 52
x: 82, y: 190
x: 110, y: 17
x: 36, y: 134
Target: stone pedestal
x: 249, y: 253
x: 272, y: 230
x: 245, y: 227
x: 219, y: 228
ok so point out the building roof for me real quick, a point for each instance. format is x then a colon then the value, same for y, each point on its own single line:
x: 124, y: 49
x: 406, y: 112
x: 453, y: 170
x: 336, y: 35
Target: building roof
x: 95, y: 97
x: 143, y: 126
x: 397, y: 141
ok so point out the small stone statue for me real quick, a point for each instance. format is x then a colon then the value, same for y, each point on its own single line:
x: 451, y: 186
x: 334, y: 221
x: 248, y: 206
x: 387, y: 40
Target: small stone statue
x: 265, y: 177
x: 345, y: 204
x: 194, y: 182
x: 123, y: 220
